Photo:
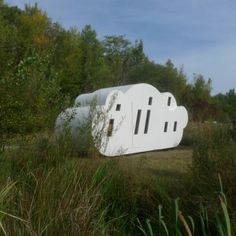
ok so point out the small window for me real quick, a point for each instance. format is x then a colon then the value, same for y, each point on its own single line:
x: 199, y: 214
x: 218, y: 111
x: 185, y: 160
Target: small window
x: 147, y: 121
x: 118, y: 106
x: 175, y: 126
x: 110, y: 127
x: 166, y: 127
x: 137, y: 122
x: 150, y: 101
x: 169, y: 101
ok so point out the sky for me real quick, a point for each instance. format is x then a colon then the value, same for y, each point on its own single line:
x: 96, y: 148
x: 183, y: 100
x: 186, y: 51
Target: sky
x: 199, y: 35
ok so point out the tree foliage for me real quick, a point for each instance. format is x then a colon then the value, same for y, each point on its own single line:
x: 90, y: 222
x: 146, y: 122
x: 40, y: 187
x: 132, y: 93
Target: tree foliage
x: 44, y: 67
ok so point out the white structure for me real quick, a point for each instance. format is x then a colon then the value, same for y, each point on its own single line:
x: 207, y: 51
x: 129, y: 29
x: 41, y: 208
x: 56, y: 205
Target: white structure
x: 138, y: 118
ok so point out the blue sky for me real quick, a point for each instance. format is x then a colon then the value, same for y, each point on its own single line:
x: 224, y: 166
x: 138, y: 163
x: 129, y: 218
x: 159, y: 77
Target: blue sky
x: 198, y: 34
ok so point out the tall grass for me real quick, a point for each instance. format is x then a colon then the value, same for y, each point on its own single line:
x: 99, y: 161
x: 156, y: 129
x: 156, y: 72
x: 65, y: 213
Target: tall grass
x: 220, y: 224
x: 47, y: 189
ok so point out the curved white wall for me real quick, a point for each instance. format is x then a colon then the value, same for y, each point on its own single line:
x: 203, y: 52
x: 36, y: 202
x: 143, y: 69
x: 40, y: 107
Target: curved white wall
x: 160, y: 126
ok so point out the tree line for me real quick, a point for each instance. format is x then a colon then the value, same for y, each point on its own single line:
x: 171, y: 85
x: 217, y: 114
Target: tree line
x: 44, y: 67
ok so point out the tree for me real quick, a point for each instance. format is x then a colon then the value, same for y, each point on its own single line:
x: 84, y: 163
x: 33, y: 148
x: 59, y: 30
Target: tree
x: 230, y: 98
x: 117, y: 50
x: 68, y: 62
x: 122, y: 57
x: 10, y: 50
x: 201, y: 102
x: 31, y: 98
x: 171, y: 79
x: 34, y: 25
x: 164, y: 77
x: 41, y: 63
x: 92, y: 63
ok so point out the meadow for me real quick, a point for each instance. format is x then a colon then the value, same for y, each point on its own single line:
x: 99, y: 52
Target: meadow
x: 47, y: 188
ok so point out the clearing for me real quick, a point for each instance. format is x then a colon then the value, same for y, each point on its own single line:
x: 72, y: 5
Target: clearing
x: 165, y: 163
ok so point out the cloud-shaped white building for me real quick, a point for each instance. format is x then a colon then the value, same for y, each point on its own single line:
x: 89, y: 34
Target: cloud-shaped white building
x: 129, y: 119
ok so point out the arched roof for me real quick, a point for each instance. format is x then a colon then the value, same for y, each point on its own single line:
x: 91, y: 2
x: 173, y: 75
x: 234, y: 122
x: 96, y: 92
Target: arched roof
x: 99, y: 95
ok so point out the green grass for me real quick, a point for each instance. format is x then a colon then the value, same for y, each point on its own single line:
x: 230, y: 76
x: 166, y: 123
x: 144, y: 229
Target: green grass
x: 48, y: 189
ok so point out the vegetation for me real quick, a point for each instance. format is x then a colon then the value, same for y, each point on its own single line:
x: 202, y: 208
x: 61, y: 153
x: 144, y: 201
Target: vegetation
x: 46, y: 189
x: 44, y: 67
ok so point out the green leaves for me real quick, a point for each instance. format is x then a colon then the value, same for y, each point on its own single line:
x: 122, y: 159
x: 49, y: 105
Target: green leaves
x: 37, y: 54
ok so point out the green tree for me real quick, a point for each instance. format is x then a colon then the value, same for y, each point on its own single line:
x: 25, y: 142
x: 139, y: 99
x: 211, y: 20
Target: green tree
x: 93, y: 68
x: 163, y: 77
x: 68, y: 62
x: 34, y: 25
x: 123, y: 58
x: 42, y: 63
x: 10, y: 50
x: 31, y: 98
x: 201, y: 98
x: 231, y: 100
x: 171, y: 79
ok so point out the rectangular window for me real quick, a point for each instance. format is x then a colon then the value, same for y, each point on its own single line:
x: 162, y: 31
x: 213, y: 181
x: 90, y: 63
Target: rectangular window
x: 150, y: 101
x: 147, y: 121
x: 137, y: 122
x: 166, y: 127
x: 110, y: 127
x: 169, y: 101
x: 118, y: 106
x: 175, y: 126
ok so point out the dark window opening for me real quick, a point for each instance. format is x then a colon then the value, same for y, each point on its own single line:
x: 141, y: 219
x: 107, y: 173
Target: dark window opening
x: 118, y: 106
x: 166, y: 127
x: 110, y: 127
x: 150, y: 101
x: 169, y: 101
x: 147, y: 121
x: 175, y: 126
x: 137, y: 122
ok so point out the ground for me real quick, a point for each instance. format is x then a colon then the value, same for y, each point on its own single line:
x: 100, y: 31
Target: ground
x: 165, y: 163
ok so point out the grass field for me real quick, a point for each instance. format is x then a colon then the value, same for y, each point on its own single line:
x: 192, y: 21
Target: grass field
x: 170, y: 161
x: 164, y: 164
x: 47, y: 189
